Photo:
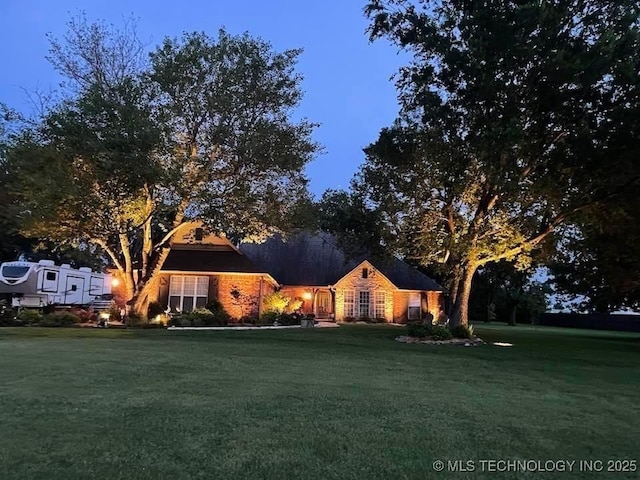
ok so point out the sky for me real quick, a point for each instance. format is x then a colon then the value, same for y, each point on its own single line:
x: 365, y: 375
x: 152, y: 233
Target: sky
x: 347, y: 80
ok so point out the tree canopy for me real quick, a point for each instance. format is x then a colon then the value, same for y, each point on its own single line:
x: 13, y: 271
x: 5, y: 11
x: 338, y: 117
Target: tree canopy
x: 516, y: 117
x: 140, y: 149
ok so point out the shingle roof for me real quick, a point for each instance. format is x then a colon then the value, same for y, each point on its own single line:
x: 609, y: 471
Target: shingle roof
x: 315, y: 260
x: 191, y: 260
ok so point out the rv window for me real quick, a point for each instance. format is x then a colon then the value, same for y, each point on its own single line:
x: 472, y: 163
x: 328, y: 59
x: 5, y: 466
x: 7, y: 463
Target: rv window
x: 51, y: 276
x: 10, y: 271
x: 74, y: 288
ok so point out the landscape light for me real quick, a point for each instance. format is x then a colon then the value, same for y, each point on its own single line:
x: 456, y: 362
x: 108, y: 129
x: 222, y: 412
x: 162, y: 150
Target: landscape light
x: 115, y: 282
x: 306, y: 295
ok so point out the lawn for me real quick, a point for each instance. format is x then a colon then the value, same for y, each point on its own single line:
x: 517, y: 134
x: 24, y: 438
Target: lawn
x: 340, y: 403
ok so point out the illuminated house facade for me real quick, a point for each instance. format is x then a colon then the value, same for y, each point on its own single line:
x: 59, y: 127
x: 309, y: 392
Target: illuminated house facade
x: 201, y: 268
x: 333, y: 286
x: 308, y: 267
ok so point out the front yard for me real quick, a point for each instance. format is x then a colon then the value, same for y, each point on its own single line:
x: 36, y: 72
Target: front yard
x: 340, y: 403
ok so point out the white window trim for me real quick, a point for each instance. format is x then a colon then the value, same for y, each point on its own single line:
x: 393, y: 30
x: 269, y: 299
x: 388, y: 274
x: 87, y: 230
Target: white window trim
x: 380, y: 302
x: 182, y: 296
x: 368, y: 314
x: 351, y: 312
x: 411, y: 305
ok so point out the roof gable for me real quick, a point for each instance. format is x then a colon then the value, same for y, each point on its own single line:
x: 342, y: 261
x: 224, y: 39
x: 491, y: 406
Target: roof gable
x: 356, y: 274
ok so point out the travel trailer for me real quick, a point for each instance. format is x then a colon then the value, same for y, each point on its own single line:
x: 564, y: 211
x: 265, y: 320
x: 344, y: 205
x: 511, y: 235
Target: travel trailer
x: 37, y: 285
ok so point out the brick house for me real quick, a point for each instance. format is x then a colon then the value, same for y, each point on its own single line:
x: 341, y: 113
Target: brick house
x: 308, y: 267
x: 201, y: 268
x: 333, y: 286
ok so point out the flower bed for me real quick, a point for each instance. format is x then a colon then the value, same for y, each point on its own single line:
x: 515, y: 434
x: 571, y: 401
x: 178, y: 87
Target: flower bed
x: 464, y: 342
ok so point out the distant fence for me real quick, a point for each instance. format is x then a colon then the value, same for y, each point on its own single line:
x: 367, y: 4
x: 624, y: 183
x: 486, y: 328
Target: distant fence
x: 594, y: 321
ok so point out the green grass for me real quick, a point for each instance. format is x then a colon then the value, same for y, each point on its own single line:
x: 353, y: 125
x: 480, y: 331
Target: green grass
x: 328, y: 404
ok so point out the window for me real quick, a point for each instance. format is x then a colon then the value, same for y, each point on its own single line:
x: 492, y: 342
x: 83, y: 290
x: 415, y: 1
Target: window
x: 365, y: 273
x: 378, y: 305
x: 349, y: 300
x: 51, y: 276
x: 12, y: 271
x: 363, y: 310
x: 199, y: 234
x: 414, y: 309
x: 187, y: 293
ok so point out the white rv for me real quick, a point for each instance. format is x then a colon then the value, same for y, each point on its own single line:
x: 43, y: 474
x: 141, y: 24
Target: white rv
x: 36, y: 285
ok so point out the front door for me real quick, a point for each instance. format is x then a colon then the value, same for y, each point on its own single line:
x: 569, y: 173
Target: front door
x: 323, y: 304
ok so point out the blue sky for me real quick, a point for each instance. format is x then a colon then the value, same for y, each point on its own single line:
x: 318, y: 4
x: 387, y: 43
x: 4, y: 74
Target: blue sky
x: 347, y: 79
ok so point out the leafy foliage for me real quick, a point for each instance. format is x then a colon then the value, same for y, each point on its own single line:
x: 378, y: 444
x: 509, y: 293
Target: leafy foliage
x: 29, y: 316
x: 60, y: 319
x: 418, y: 330
x: 275, y: 302
x: 201, y: 317
x: 140, y: 151
x: 516, y: 117
x: 462, y: 331
x: 439, y: 332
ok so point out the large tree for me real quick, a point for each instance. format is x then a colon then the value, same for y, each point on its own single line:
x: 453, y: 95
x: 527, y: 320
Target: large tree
x: 139, y: 150
x: 515, y: 117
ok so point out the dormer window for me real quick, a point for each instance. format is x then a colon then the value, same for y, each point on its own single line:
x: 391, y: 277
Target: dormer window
x: 365, y: 273
x: 199, y: 234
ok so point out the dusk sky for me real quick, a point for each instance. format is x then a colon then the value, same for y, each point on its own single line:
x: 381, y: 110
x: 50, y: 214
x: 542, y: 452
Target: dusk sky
x: 346, y: 79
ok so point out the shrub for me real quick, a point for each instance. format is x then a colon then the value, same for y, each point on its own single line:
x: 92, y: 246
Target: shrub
x: 462, y: 331
x: 29, y: 316
x: 269, y: 317
x: 198, y: 320
x: 290, y: 319
x: 440, y: 332
x: 220, y: 317
x: 84, y: 315
x: 295, y: 304
x: 348, y: 319
x: 378, y: 320
x: 60, y: 319
x: 417, y: 330
x: 250, y: 319
x: 8, y: 317
x: 154, y: 310
x: 135, y: 320
x: 201, y: 317
x: 179, y: 321
x: 275, y: 302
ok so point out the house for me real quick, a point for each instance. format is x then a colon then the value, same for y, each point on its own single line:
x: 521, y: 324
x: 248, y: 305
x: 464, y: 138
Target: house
x: 309, y: 267
x: 334, y: 286
x: 201, y: 268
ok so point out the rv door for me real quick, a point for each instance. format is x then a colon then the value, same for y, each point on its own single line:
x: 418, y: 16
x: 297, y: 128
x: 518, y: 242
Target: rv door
x: 75, y: 287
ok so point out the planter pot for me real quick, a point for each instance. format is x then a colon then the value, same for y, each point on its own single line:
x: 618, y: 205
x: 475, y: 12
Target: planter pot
x: 307, y: 323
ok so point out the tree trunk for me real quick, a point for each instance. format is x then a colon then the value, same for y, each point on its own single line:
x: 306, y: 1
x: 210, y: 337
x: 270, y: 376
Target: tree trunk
x: 460, y: 314
x: 145, y: 288
x: 141, y: 305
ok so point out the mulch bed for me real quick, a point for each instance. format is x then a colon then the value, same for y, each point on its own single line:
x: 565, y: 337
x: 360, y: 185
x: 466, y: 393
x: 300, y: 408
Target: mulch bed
x: 462, y: 342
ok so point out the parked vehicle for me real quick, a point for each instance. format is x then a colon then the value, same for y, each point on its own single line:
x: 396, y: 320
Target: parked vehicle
x: 37, y: 285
